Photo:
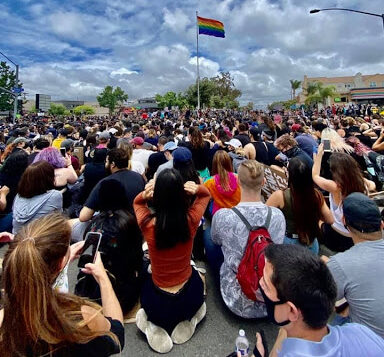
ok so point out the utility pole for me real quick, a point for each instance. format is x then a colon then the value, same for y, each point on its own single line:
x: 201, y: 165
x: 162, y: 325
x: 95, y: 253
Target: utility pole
x: 15, y: 103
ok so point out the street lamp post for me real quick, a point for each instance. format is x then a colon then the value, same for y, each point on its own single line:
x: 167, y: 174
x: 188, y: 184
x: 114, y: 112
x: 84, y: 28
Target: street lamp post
x: 16, y: 95
x: 314, y: 11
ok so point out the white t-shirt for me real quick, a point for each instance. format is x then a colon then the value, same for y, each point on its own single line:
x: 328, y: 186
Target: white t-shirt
x: 141, y: 155
x: 138, y: 167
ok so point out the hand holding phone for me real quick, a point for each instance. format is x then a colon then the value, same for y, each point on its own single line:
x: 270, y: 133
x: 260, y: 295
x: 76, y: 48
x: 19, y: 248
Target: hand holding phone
x: 327, y: 145
x: 91, y: 247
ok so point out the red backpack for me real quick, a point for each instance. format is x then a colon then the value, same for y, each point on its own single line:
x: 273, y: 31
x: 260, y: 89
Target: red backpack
x: 252, y: 263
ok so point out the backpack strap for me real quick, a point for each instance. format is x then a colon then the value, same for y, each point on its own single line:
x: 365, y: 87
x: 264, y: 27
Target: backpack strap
x: 240, y: 215
x: 244, y: 220
x: 268, y: 220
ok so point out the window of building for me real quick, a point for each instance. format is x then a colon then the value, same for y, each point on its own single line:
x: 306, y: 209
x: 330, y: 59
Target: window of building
x: 372, y: 84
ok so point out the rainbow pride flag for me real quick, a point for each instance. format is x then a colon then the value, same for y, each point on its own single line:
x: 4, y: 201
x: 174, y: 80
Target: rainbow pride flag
x: 210, y: 27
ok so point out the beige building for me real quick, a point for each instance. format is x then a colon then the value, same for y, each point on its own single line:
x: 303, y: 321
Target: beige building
x: 358, y: 88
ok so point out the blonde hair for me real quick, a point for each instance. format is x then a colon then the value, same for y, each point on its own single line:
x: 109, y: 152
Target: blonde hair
x: 251, y: 175
x: 37, y: 317
x: 337, y: 142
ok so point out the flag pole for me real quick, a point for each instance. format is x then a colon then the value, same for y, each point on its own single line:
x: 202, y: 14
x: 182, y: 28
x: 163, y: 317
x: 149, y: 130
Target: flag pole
x: 197, y: 63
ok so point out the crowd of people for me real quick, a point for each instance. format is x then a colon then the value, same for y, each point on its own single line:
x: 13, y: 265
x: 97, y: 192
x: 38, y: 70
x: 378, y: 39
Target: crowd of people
x: 170, y: 191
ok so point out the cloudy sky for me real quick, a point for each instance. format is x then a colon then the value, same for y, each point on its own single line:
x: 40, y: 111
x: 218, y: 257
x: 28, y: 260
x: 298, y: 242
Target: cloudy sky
x: 71, y: 49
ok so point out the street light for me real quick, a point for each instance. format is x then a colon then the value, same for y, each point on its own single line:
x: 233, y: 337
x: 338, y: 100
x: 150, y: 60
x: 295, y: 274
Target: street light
x: 16, y: 95
x: 314, y: 11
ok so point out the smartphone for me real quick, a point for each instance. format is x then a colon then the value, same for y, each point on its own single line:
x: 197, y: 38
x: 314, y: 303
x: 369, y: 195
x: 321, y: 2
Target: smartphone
x: 63, y: 152
x: 327, y: 145
x: 91, y: 246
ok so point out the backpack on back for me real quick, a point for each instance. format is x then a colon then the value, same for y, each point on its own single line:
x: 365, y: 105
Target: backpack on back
x: 252, y: 263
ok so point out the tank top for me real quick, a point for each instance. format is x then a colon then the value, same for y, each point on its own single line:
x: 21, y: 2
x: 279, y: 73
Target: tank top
x: 261, y: 152
x: 337, y: 212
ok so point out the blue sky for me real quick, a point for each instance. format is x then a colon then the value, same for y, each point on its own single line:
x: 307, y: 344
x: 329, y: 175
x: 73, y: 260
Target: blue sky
x: 72, y: 49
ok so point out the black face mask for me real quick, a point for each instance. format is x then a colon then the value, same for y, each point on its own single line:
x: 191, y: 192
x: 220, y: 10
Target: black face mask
x: 270, y: 305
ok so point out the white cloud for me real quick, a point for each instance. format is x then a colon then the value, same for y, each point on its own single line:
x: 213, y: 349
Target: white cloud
x: 67, y: 24
x: 149, y: 47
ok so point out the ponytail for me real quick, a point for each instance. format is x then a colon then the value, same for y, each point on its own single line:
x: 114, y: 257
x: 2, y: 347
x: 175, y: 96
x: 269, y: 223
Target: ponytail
x: 36, y: 317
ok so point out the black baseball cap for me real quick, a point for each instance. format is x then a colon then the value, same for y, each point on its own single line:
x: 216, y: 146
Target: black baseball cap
x: 361, y: 213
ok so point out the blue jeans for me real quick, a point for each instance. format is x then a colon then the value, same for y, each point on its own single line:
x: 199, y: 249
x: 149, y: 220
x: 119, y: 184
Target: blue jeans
x: 339, y: 320
x: 314, y: 247
x: 213, y: 252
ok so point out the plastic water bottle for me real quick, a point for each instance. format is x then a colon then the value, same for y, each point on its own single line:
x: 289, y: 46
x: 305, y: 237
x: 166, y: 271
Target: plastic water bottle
x: 242, y: 344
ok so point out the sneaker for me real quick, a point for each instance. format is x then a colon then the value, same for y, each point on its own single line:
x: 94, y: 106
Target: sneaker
x: 184, y: 330
x: 157, y: 337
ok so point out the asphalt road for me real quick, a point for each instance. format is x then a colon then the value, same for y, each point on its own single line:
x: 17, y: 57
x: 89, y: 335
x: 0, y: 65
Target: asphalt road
x: 214, y: 336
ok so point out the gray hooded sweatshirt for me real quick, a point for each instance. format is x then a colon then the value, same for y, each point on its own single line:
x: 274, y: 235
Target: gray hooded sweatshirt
x: 26, y: 210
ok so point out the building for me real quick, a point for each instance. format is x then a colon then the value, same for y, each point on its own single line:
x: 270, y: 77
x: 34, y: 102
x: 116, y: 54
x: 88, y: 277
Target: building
x: 358, y: 88
x: 43, y: 102
x: 69, y: 104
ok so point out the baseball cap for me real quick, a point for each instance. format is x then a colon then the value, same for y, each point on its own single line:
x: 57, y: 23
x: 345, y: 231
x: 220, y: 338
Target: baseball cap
x: 361, y: 213
x: 296, y: 127
x: 181, y: 155
x: 67, y: 144
x: 236, y: 143
x: 104, y: 135
x: 20, y: 139
x: 138, y: 140
x: 170, y: 146
x: 268, y: 134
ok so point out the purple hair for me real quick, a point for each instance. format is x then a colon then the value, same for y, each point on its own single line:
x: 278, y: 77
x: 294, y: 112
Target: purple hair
x: 52, y: 156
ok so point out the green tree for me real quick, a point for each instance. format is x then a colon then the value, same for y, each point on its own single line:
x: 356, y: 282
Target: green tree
x: 110, y: 98
x: 295, y: 85
x: 58, y: 110
x: 317, y: 93
x: 7, y: 81
x: 171, y: 99
x: 84, y: 110
x: 218, y: 92
x: 249, y: 106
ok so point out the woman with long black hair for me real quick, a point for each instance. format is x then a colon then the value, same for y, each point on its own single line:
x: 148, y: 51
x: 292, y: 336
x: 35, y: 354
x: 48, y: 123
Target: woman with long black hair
x: 172, y: 297
x: 303, y: 206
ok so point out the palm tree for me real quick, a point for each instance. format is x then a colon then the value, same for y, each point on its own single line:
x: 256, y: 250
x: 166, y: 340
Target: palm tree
x: 294, y: 86
x: 312, y: 88
x: 317, y: 93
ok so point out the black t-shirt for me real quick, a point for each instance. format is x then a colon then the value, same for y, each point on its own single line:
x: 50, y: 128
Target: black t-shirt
x: 93, y: 173
x: 200, y: 156
x: 244, y: 139
x: 11, y: 182
x: 132, y: 182
x: 31, y: 157
x: 154, y: 161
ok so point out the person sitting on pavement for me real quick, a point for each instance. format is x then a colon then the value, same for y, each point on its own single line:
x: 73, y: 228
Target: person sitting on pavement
x: 133, y: 165
x: 64, y: 171
x: 172, y: 297
x: 303, y: 206
x: 36, y: 195
x: 346, y: 178
x: 230, y: 236
x: 117, y: 164
x: 157, y: 158
x: 38, y: 145
x: 69, y: 146
x: 300, y: 294
x: 120, y: 247
x: 10, y: 175
x: 139, y: 153
x: 356, y: 270
x: 38, y: 318
x: 169, y: 148
x: 289, y: 147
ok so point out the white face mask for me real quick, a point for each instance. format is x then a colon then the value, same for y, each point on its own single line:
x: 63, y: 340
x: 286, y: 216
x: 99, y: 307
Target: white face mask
x: 61, y: 283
